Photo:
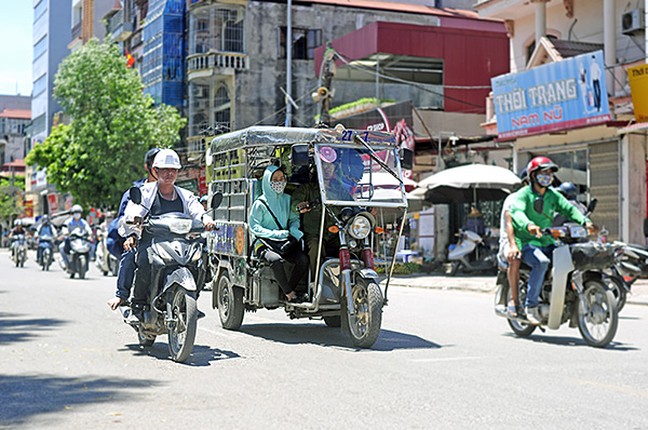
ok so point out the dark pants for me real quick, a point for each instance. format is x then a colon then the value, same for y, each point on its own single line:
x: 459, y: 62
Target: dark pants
x: 142, y: 274
x: 126, y: 274
x: 597, y: 94
x: 277, y: 264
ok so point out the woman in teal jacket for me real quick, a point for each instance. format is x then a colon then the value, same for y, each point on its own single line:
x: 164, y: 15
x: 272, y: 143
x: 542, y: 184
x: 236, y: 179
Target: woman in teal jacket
x: 263, y: 225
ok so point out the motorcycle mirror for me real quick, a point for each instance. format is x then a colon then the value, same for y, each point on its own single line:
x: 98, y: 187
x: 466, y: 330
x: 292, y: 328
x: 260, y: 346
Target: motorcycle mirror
x: 299, y: 156
x: 135, y: 195
x: 592, y: 205
x: 538, y: 205
x: 407, y: 158
x: 217, y: 199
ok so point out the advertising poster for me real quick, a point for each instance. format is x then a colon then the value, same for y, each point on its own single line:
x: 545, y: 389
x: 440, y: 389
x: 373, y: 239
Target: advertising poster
x: 553, y: 97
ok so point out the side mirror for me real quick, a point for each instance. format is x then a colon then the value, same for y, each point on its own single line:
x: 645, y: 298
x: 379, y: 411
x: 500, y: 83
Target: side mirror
x: 135, y: 195
x: 407, y: 158
x: 217, y: 199
x: 299, y: 156
x: 592, y: 205
x: 538, y: 205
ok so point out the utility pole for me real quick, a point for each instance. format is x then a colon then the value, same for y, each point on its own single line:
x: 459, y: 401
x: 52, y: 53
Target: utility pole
x: 289, y: 64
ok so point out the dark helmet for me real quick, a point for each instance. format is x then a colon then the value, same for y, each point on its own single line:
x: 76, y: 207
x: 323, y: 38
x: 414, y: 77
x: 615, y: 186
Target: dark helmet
x: 522, y: 174
x: 540, y: 163
x: 150, y: 157
x: 569, y: 190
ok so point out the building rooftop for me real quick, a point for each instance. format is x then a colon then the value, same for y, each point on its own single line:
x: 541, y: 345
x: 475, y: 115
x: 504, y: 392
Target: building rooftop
x: 16, y: 113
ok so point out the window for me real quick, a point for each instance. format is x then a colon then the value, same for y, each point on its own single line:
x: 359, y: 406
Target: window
x: 39, y: 125
x: 40, y: 47
x: 39, y: 9
x: 218, y: 29
x: 40, y: 85
x: 221, y: 110
x: 304, y: 43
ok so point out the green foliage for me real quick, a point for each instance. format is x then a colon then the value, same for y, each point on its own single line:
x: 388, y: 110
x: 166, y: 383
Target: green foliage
x: 10, y: 197
x: 113, y: 123
x: 402, y: 268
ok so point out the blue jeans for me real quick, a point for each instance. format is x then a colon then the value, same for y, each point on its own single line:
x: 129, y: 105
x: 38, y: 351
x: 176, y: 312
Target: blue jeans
x: 126, y: 274
x: 539, y: 259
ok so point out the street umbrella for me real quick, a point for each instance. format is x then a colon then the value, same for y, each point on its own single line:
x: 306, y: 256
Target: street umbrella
x: 470, y: 183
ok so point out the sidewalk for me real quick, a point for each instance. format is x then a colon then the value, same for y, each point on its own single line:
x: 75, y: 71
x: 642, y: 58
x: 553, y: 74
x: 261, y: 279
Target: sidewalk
x: 486, y: 284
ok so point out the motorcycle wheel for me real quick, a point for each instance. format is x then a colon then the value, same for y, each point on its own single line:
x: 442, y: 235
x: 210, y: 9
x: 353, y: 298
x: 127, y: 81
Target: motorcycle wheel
x: 364, y: 325
x: 230, y: 303
x: 334, y: 322
x: 183, y: 333
x: 599, y: 319
x: 519, y: 328
x: 145, y: 339
x: 113, y: 265
x: 47, y: 259
x: 618, y: 291
x: 81, y: 264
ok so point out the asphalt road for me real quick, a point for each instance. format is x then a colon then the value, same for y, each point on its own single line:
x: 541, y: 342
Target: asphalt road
x: 443, y: 360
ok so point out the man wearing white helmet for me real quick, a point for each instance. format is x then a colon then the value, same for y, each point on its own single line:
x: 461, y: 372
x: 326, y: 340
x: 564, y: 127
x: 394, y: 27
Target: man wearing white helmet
x: 158, y: 198
x: 73, y: 223
x: 17, y: 230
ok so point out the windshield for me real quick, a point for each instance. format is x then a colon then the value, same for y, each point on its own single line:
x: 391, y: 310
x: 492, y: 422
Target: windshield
x: 352, y: 175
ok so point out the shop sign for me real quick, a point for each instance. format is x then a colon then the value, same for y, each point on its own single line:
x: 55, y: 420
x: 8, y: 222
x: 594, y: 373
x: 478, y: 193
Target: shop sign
x: 557, y: 96
x: 638, y: 78
x: 52, y: 201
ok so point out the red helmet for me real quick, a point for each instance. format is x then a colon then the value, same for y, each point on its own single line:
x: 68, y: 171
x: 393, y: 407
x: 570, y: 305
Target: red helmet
x: 540, y: 163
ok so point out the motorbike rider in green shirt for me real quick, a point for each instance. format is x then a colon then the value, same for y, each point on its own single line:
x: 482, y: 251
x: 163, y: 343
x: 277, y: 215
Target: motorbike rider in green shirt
x: 532, y: 211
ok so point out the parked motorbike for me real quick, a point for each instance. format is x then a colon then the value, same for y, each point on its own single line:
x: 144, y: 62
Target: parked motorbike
x: 79, y: 254
x: 19, y: 250
x: 177, y: 273
x: 46, y: 244
x: 575, y: 289
x: 632, y: 264
x: 472, y: 253
x: 105, y: 261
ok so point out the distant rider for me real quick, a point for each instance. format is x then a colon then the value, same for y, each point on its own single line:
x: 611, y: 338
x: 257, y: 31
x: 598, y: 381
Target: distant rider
x: 17, y: 230
x: 44, y: 229
x: 570, y: 191
x: 76, y: 222
x: 533, y: 211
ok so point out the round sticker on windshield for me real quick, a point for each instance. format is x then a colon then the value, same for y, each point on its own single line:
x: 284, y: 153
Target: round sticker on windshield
x: 327, y: 154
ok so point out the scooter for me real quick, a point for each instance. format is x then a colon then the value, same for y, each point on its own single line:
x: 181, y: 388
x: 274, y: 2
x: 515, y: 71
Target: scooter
x: 105, y: 261
x: 19, y: 250
x: 471, y: 254
x: 46, y: 244
x: 79, y: 254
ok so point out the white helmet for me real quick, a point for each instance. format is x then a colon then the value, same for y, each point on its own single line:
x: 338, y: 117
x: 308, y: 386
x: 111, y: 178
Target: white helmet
x: 167, y: 159
x: 17, y: 222
x: 77, y: 208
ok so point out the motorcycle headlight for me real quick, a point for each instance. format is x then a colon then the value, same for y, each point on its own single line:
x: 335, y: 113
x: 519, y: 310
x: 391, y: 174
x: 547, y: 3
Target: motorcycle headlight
x: 180, y: 226
x: 577, y: 231
x: 360, y: 227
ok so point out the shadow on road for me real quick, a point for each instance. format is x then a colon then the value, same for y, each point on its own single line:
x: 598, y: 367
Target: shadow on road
x: 25, y: 396
x: 320, y: 334
x: 573, y: 341
x: 200, y: 356
x: 13, y: 328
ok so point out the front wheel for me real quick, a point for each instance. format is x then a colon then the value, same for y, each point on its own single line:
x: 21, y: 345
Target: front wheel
x: 597, y: 315
x: 82, y: 266
x: 182, y: 332
x: 46, y: 259
x: 230, y: 303
x: 364, y: 325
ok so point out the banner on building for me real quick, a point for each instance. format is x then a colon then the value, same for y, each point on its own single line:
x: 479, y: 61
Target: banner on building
x: 52, y: 202
x: 638, y: 78
x: 557, y: 96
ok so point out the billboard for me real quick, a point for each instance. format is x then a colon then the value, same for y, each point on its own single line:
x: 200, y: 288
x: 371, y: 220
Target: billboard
x: 638, y: 78
x: 557, y: 96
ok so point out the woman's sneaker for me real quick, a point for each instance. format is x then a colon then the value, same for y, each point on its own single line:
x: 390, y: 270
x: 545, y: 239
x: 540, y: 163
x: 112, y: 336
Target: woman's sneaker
x: 533, y: 315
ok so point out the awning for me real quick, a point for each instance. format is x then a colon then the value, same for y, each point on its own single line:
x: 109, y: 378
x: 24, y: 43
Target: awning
x: 637, y: 126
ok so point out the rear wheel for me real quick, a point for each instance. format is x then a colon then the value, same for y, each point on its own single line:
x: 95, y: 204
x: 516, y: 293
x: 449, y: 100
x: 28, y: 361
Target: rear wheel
x: 519, y: 328
x: 364, y: 325
x: 597, y: 315
x: 618, y: 291
x: 182, y: 332
x: 230, y: 303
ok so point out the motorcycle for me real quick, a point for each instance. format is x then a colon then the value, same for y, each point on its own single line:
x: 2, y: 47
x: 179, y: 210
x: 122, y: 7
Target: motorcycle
x: 79, y: 254
x: 633, y: 262
x: 575, y: 289
x: 46, y: 244
x: 19, y: 250
x: 105, y: 261
x: 177, y: 274
x: 472, y: 253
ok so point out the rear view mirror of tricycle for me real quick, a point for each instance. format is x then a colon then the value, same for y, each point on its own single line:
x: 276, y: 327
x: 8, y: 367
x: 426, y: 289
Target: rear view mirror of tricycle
x: 216, y: 200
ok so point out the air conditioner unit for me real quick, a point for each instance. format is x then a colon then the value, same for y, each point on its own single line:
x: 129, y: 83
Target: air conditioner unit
x: 632, y: 21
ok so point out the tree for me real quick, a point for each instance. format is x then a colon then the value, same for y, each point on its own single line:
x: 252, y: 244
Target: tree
x: 113, y: 123
x: 10, y: 197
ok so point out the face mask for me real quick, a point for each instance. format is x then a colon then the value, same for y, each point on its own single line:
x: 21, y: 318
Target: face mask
x: 544, y: 180
x: 77, y: 216
x: 278, y: 186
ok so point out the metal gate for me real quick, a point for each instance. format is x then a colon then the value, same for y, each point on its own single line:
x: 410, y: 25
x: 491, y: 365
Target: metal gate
x: 604, y: 185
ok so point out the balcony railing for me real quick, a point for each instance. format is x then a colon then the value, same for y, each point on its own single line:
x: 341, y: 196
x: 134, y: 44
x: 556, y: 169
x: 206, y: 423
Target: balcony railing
x: 119, y: 29
x: 218, y: 60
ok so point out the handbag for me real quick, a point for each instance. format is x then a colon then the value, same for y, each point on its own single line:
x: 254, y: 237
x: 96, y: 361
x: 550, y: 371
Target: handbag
x: 283, y: 247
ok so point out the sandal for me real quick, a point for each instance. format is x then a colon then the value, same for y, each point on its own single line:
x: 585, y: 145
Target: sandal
x: 511, y: 311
